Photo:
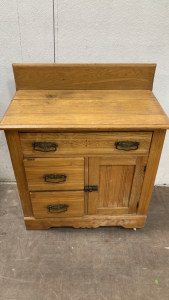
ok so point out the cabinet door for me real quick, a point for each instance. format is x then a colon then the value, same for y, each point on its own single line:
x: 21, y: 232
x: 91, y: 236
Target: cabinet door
x: 119, y: 180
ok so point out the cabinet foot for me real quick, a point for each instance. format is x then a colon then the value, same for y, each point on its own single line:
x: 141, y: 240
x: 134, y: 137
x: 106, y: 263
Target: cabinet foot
x: 92, y: 221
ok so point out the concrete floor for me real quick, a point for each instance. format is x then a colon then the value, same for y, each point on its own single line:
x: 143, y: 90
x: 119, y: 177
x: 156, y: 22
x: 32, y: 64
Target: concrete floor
x: 84, y: 264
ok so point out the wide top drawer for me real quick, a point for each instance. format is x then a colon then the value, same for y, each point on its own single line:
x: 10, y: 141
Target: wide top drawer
x: 54, y: 144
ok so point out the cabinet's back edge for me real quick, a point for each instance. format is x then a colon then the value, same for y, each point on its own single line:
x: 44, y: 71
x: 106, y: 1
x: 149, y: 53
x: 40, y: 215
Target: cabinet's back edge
x: 84, y: 76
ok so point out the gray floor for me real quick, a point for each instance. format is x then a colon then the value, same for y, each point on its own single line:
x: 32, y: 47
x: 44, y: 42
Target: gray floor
x: 66, y: 263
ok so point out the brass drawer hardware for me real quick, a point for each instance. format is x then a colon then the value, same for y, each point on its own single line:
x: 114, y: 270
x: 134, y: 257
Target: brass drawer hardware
x: 90, y: 188
x: 59, y: 208
x: 85, y: 143
x: 55, y: 176
x: 45, y: 146
x: 126, y: 145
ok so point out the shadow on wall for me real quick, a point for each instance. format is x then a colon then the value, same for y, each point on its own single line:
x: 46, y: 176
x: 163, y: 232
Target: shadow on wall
x: 6, y: 170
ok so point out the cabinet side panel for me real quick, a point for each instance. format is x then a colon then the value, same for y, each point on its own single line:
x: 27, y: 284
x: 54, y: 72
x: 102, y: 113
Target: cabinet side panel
x: 14, y: 146
x: 137, y: 183
x: 152, y: 166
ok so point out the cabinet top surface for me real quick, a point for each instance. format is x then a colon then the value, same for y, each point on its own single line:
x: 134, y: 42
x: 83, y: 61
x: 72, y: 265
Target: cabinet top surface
x: 84, y: 109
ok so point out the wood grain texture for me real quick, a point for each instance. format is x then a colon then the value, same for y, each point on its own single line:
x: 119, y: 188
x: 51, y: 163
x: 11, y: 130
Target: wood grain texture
x: 152, y: 166
x: 115, y: 186
x: 112, y: 211
x: 115, y: 160
x: 14, y: 146
x: 127, y: 95
x: 86, y: 182
x: 73, y: 168
x: 84, y: 76
x: 93, y: 180
x: 84, y: 143
x: 137, y: 183
x: 41, y: 201
x: 126, y: 221
x: 111, y: 110
x: 119, y: 181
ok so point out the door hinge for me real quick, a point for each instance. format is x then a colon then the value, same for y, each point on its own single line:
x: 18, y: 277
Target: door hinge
x: 90, y: 188
x: 145, y: 167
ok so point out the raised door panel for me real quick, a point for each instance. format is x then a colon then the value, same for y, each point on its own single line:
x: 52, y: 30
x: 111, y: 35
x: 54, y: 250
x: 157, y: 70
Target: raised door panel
x: 119, y: 181
x: 115, y: 185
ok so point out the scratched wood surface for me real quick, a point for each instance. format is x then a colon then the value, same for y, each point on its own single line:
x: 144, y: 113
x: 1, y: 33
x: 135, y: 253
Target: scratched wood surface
x: 91, y: 110
x: 84, y: 143
x: 100, y: 264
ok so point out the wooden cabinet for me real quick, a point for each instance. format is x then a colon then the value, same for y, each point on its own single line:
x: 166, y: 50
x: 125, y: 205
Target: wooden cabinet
x: 85, y: 143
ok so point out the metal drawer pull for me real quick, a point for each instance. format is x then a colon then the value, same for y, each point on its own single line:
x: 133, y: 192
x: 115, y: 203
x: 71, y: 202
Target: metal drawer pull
x: 45, y: 146
x: 59, y: 208
x: 126, y: 145
x: 55, y: 176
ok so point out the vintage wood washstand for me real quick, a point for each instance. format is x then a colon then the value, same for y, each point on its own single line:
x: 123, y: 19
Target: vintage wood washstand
x: 85, y: 143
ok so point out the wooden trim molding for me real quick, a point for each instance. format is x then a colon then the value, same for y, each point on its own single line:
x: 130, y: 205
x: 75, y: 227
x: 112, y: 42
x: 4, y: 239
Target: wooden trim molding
x: 126, y: 221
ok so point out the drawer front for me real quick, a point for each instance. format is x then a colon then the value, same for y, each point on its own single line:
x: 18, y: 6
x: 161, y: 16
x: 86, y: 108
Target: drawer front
x: 57, y: 204
x: 55, y: 173
x: 55, y: 144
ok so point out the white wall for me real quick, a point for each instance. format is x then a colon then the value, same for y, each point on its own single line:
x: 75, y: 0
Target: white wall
x: 110, y: 31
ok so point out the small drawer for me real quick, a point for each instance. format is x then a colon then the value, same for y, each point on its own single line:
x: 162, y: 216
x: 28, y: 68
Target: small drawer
x: 57, y: 204
x: 55, y: 144
x: 54, y: 173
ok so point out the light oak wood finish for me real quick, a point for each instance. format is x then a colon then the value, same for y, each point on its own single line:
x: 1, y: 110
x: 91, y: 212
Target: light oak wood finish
x: 119, y: 181
x: 86, y: 95
x: 112, y: 211
x: 140, y: 169
x: 86, y: 183
x: 72, y: 168
x: 41, y: 201
x: 152, y: 166
x: 126, y: 221
x: 14, y: 146
x: 84, y: 143
x: 115, y: 185
x: 84, y: 76
x: 102, y: 110
x: 85, y: 109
